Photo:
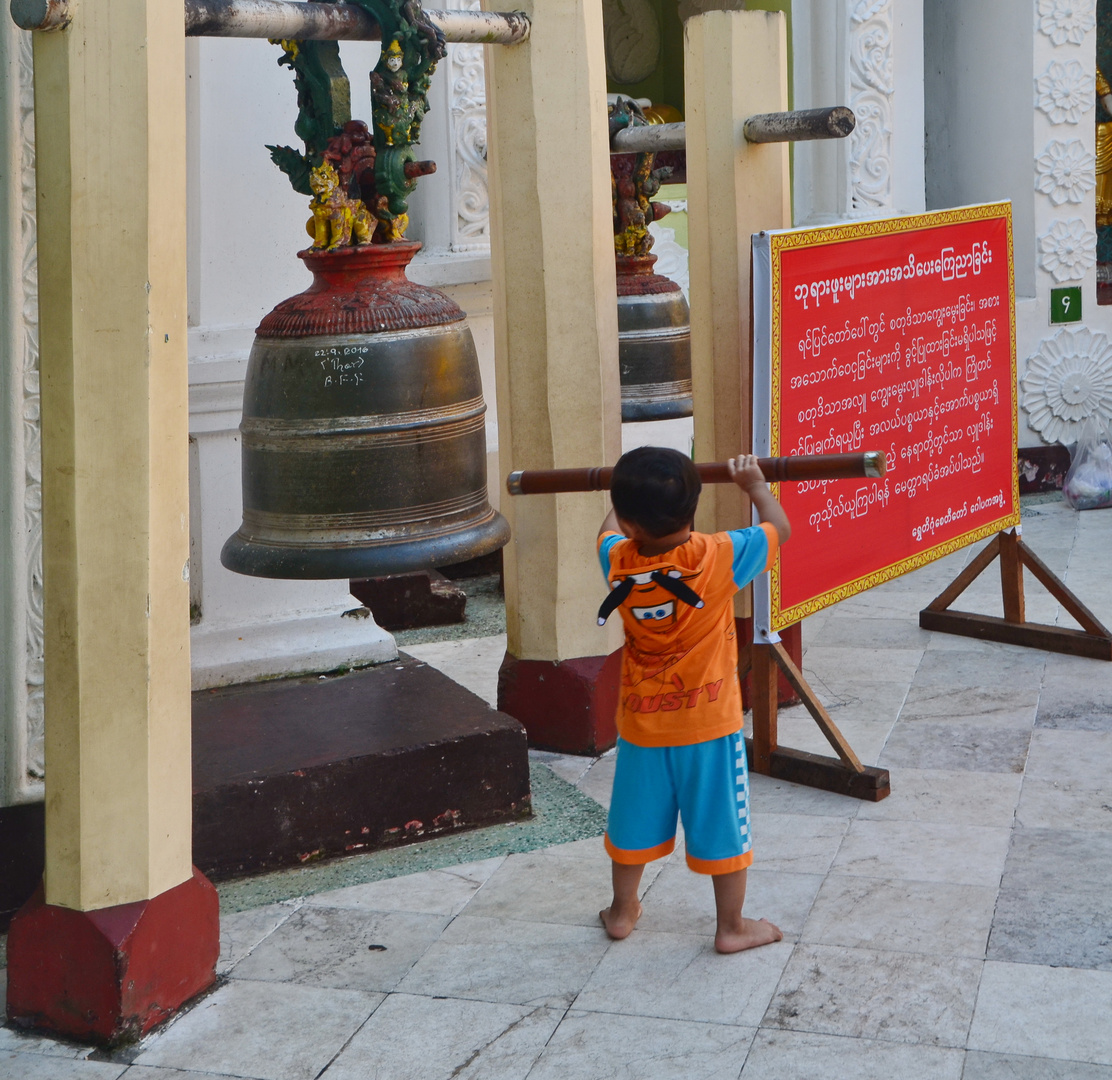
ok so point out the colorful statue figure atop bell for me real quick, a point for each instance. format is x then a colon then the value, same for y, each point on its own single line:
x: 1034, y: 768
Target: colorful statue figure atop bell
x: 654, y: 322
x: 363, y: 431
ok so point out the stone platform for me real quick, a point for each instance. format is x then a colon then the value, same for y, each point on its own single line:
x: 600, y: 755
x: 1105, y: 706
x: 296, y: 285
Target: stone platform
x: 293, y: 770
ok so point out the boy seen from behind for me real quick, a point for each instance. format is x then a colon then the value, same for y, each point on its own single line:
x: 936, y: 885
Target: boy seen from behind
x: 680, y: 747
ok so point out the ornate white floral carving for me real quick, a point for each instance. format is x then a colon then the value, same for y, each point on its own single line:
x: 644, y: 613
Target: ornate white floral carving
x: 1068, y: 385
x: 32, y: 500
x: 1066, y: 171
x: 1069, y: 250
x: 1065, y: 91
x: 1066, y: 20
x: 471, y: 224
x: 870, y: 79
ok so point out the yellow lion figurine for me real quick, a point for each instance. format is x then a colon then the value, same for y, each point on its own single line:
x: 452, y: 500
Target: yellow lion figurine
x: 337, y: 221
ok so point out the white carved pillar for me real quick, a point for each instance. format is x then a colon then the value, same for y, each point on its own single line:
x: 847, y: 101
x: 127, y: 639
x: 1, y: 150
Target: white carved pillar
x: 21, y: 631
x: 867, y: 54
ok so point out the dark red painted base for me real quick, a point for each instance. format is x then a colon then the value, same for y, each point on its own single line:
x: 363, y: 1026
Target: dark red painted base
x: 109, y: 976
x: 792, y: 640
x: 406, y: 601
x: 567, y: 706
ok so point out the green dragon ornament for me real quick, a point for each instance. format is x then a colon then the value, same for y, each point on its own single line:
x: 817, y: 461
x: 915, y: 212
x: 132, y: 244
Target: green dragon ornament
x: 376, y: 167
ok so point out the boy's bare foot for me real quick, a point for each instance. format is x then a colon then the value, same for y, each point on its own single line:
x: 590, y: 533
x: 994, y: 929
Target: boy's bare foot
x: 619, y: 922
x: 750, y: 934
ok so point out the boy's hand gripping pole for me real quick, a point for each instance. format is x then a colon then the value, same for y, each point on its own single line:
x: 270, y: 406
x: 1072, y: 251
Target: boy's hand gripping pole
x: 870, y: 463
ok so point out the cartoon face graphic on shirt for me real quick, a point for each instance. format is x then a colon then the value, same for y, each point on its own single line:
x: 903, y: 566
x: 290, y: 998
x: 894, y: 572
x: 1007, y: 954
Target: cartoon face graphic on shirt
x: 651, y: 604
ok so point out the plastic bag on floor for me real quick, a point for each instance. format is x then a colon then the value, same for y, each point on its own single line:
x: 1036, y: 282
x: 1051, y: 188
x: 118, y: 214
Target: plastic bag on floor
x: 1088, y: 484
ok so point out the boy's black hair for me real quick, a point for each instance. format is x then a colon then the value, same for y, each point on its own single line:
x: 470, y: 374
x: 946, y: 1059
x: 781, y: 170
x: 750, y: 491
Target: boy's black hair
x: 655, y: 488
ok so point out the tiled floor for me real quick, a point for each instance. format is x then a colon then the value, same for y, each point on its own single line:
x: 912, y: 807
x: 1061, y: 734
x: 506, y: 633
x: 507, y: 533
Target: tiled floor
x: 959, y: 930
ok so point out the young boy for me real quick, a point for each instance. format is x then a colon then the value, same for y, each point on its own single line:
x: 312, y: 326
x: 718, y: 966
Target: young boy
x: 680, y: 748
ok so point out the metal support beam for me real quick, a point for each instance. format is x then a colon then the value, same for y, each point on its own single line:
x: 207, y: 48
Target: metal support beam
x: 798, y: 126
x: 293, y: 19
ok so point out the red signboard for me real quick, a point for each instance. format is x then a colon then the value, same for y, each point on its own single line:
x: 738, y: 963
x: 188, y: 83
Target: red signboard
x: 894, y: 335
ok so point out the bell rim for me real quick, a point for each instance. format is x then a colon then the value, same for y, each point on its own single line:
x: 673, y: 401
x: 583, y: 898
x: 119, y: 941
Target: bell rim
x: 324, y: 562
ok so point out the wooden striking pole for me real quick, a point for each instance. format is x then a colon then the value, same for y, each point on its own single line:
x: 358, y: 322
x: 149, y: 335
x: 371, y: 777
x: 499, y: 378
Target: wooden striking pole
x: 800, y: 467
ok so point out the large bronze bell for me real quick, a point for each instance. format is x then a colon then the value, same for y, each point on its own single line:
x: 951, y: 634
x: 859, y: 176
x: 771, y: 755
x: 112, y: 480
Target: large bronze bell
x: 654, y: 342
x: 364, y: 445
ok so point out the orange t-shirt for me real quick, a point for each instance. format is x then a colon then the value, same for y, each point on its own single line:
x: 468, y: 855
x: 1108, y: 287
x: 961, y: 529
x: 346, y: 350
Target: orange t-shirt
x: 679, y: 665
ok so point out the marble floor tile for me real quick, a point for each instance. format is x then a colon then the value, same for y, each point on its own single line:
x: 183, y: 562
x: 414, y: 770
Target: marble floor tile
x: 796, y: 843
x: 953, y: 797
x: 976, y: 746
x: 1039, y: 1011
x: 148, y: 1072
x: 924, y: 851
x: 16, y: 1066
x: 507, y: 961
x: 771, y: 796
x: 1064, y: 671
x: 1079, y: 759
x: 420, y: 1038
x: 682, y: 902
x: 797, y: 730
x: 12, y: 1040
x: 597, y: 781
x: 1067, y: 926
x: 934, y: 918
x: 265, y: 1031
x: 1065, y: 805
x: 471, y: 662
x: 344, y: 948
x: 550, y: 887
x: 242, y: 931
x: 848, y: 699
x: 1000, y: 706
x: 432, y: 892
x: 681, y: 977
x: 1012, y: 669
x: 568, y: 767
x: 588, y: 1046
x: 1074, y: 706
x: 865, y: 994
x: 1043, y: 860
x: 867, y: 634
x: 590, y: 847
x: 834, y: 663
x: 982, y: 1066
x: 800, y: 1055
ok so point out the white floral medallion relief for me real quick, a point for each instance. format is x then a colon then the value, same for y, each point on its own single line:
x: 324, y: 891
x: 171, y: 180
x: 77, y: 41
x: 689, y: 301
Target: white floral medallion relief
x: 1068, y: 385
x: 871, y: 88
x: 1066, y: 20
x: 1065, y: 91
x: 1066, y: 171
x: 1068, y: 250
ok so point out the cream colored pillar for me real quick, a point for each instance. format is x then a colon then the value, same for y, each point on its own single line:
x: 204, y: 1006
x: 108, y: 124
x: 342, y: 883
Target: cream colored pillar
x: 555, y: 315
x: 735, y: 66
x: 110, y: 134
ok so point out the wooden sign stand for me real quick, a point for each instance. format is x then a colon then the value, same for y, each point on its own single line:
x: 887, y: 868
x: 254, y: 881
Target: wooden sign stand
x: 844, y: 774
x: 1094, y: 640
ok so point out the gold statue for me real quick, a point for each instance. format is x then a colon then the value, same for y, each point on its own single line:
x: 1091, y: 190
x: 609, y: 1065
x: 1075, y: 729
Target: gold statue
x: 338, y: 220
x: 1104, y: 159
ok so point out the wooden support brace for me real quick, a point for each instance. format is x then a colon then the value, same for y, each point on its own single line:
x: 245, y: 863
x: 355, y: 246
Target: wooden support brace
x: 1093, y: 641
x: 846, y: 776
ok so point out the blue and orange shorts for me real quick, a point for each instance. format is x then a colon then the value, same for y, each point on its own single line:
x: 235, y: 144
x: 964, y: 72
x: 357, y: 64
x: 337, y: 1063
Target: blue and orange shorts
x: 706, y: 784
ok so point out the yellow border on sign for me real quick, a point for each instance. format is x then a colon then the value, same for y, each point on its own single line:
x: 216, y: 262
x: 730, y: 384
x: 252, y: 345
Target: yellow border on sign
x: 836, y: 234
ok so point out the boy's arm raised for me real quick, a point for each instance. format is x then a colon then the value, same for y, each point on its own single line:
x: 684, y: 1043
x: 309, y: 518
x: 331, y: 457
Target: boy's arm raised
x: 609, y: 523
x: 746, y: 473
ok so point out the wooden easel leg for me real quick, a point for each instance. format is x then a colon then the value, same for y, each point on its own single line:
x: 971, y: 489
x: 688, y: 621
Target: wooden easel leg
x: 1011, y: 577
x: 847, y: 776
x: 763, y: 683
x: 1094, y: 641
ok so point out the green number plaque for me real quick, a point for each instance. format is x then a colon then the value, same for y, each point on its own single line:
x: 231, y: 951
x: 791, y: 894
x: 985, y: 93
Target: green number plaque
x: 1065, y: 305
